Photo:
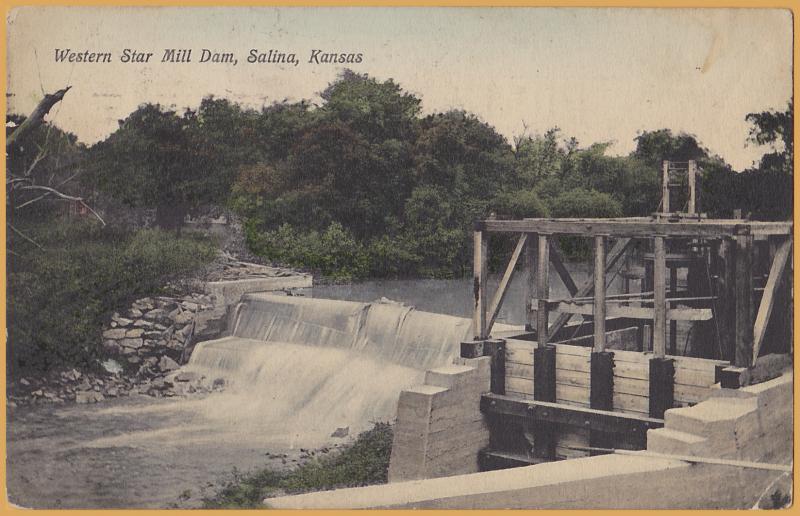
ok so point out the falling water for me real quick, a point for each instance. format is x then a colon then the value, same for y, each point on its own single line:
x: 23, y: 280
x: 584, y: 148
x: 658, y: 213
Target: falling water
x: 301, y: 367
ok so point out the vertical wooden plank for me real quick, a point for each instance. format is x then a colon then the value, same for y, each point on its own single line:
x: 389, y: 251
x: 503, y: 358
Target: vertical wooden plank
x: 662, y: 386
x: 601, y: 393
x: 529, y: 283
x: 673, y: 325
x: 665, y: 187
x: 647, y: 337
x: 692, y: 209
x: 480, y: 270
x: 544, y: 389
x: 496, y: 349
x: 659, y: 297
x: 727, y: 303
x: 743, y: 341
x: 543, y: 288
x: 599, y: 307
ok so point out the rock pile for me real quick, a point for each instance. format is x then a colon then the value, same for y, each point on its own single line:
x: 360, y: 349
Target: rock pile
x: 154, y: 332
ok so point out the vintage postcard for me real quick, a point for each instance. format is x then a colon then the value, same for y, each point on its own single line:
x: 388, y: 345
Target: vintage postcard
x: 399, y: 257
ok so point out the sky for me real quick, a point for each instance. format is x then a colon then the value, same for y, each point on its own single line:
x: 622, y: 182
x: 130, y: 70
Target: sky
x: 598, y: 74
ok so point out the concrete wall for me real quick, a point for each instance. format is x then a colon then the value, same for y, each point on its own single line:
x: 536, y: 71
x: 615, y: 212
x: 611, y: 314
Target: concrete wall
x: 753, y: 423
x: 230, y: 291
x: 440, y: 428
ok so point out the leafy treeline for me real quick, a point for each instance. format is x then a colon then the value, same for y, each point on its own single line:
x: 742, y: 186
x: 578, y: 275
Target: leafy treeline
x: 67, y: 275
x: 365, y: 185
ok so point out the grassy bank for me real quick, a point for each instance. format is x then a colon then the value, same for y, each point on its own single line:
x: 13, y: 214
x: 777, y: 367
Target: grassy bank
x: 365, y: 462
x: 68, y: 279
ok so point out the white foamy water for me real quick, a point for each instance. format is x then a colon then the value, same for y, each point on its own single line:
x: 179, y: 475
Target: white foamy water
x: 296, y: 369
x: 299, y: 368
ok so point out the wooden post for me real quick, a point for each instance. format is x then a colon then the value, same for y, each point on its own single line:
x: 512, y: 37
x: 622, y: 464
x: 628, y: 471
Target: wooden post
x: 692, y: 209
x: 662, y: 386
x: 744, y: 292
x: 673, y: 325
x: 659, y: 297
x: 601, y: 393
x: 480, y: 273
x: 542, y: 289
x: 529, y: 285
x: 599, y: 307
x: 544, y: 389
x: 496, y: 349
x: 665, y: 187
x: 727, y: 319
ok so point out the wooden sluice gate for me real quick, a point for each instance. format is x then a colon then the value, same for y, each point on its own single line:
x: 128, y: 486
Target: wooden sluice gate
x: 559, y: 389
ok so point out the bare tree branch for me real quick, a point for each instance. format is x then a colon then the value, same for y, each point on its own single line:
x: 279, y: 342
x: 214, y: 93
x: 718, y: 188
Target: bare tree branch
x: 36, y: 117
x: 26, y: 237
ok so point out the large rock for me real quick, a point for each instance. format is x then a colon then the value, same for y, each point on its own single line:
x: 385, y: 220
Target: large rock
x: 122, y: 321
x: 134, y: 333
x: 131, y: 343
x: 155, y: 314
x: 166, y: 364
x: 184, y: 317
x: 116, y: 333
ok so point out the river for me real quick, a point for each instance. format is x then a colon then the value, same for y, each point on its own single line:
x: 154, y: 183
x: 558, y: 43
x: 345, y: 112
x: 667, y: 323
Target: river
x: 157, y: 453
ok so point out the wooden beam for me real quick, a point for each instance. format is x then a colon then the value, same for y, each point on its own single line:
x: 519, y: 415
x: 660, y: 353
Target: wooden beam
x: 602, y: 420
x: 692, y: 209
x: 693, y: 459
x: 599, y: 305
x: 557, y: 259
x: 542, y: 289
x: 480, y: 273
x: 665, y: 187
x: 502, y: 289
x: 633, y: 312
x: 768, y: 297
x: 673, y: 324
x: 743, y: 340
x: 616, y: 253
x: 643, y: 227
x: 659, y: 298
x: 529, y: 283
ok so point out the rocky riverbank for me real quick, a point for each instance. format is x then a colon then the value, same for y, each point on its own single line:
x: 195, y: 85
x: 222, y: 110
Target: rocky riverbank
x: 145, y: 344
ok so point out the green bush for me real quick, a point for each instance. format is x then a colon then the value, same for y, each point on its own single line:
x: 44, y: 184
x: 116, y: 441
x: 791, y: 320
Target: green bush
x: 334, y: 252
x: 365, y: 462
x: 61, y: 295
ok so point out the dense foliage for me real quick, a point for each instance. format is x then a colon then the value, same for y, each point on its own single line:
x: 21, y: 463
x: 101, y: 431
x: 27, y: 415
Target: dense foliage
x: 365, y: 185
x: 364, y: 462
x: 361, y: 185
x: 63, y: 288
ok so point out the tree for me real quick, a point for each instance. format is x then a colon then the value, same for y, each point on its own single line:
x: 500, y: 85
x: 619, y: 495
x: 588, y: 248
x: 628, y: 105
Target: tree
x: 775, y: 129
x: 163, y: 160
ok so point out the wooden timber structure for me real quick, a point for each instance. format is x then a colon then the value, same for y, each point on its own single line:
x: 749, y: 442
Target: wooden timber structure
x: 558, y: 387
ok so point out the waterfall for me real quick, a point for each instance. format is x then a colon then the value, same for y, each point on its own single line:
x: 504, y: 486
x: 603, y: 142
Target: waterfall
x: 302, y: 367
